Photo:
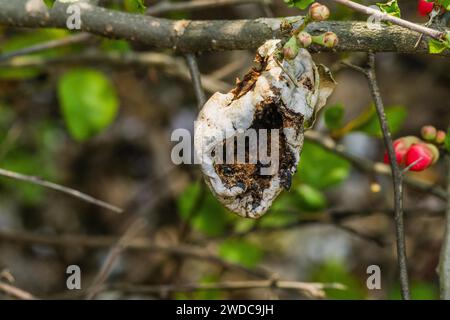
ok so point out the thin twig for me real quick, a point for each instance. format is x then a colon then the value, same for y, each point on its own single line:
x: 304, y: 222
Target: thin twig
x: 196, y: 79
x: 172, y: 66
x: 144, y: 244
x: 444, y: 264
x: 397, y: 177
x: 16, y: 292
x: 312, y: 289
x: 389, y: 18
x: 113, y: 254
x: 52, y: 44
x: 57, y: 187
x: 166, y: 7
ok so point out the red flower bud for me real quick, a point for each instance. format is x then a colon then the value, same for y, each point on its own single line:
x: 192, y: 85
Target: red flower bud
x: 319, y: 12
x: 424, y: 7
x: 400, y: 148
x: 440, y: 137
x: 428, y: 133
x: 421, y: 156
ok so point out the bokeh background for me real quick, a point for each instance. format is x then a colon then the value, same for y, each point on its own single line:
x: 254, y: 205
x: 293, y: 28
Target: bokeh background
x: 103, y: 127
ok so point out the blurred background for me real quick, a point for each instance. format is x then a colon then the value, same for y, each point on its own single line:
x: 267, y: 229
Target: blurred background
x: 81, y: 117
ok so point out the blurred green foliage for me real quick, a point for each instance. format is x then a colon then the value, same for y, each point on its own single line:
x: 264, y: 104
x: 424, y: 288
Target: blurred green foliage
x: 134, y: 6
x: 203, y: 294
x: 31, y: 153
x: 321, y: 169
x: 419, y: 291
x: 396, y: 116
x: 367, y: 122
x: 334, y: 116
x: 336, y: 271
x: 204, y: 213
x: 89, y: 102
x: 241, y: 251
x: 27, y: 39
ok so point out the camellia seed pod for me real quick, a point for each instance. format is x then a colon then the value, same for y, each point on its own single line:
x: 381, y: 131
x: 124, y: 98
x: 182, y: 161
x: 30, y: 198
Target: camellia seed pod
x: 271, y: 105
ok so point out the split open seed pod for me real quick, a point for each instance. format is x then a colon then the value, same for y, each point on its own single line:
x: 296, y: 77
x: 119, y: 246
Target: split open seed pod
x: 249, y: 140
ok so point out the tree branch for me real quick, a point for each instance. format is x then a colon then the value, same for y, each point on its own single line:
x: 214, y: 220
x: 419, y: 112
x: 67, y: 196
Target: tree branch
x: 194, y: 36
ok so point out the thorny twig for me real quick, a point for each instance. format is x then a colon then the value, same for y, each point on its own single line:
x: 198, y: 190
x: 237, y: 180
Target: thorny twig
x: 397, y: 175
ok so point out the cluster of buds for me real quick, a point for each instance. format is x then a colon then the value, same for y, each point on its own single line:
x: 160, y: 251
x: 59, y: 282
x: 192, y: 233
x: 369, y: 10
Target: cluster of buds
x: 418, y: 154
x: 317, y: 12
x: 431, y: 134
x: 414, y: 153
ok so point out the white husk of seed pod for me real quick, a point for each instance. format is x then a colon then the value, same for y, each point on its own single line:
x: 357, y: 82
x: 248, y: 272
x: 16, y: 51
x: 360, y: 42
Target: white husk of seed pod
x: 222, y: 116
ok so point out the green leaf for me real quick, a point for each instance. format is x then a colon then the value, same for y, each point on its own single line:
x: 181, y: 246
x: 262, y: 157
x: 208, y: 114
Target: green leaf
x: 310, y: 199
x: 391, y: 7
x: 301, y: 4
x: 205, y: 214
x: 396, y: 116
x: 438, y: 46
x: 447, y: 140
x: 49, y: 3
x: 241, y: 252
x: 321, y: 169
x: 444, y: 3
x: 135, y: 6
x: 334, y: 117
x: 89, y: 102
